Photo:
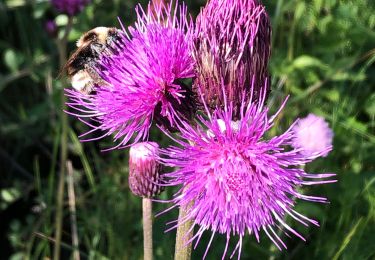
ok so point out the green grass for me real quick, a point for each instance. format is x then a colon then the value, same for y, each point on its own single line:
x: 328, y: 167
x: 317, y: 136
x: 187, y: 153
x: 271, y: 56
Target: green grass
x: 323, y: 56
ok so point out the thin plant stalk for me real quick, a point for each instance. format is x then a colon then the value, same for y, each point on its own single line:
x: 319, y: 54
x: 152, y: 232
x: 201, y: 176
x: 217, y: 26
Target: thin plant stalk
x: 147, y: 228
x: 183, y: 235
x: 61, y: 45
x: 72, y: 209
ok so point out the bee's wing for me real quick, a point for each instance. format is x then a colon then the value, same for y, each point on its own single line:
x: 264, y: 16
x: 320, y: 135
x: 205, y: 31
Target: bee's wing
x: 77, y: 60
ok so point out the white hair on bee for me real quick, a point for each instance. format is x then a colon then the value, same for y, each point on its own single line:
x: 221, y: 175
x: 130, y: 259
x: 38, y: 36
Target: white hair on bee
x: 100, y: 32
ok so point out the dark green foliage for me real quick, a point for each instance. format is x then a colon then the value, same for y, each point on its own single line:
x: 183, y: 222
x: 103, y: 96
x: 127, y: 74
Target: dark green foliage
x: 322, y: 55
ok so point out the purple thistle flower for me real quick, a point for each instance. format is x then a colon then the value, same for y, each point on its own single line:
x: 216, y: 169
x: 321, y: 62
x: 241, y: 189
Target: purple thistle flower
x: 144, y: 169
x: 69, y: 7
x: 143, y: 73
x: 312, y: 135
x: 50, y: 27
x: 236, y: 181
x: 232, y: 45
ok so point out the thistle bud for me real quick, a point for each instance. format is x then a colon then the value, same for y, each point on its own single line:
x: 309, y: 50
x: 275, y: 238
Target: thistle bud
x: 231, y: 48
x: 144, y: 169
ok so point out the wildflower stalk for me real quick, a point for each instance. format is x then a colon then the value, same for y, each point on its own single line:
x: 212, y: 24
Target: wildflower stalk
x: 61, y: 45
x: 147, y: 228
x: 72, y: 209
x: 144, y: 174
x: 183, y: 248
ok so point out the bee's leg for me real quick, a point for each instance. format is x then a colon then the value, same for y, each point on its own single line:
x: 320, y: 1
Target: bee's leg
x: 96, y: 79
x: 89, y: 87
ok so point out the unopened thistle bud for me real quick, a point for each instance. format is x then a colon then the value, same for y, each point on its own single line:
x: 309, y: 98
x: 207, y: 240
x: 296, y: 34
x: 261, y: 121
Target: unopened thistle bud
x: 231, y: 49
x: 144, y: 169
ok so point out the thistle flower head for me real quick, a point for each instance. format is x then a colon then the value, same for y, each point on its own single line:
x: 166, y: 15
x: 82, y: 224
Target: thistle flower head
x: 237, y: 181
x: 231, y: 48
x: 69, y: 7
x: 144, y: 73
x: 312, y: 135
x: 50, y: 27
x: 144, y: 169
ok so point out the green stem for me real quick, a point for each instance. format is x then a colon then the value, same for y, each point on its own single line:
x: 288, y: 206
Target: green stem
x: 147, y: 228
x: 62, y: 44
x: 183, y: 249
x: 72, y: 208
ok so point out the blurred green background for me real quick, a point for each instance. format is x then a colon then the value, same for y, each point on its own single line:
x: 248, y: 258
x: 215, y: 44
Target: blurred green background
x: 323, y: 56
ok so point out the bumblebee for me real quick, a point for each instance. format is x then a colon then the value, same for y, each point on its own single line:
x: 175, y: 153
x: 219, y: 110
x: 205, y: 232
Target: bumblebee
x: 81, y: 66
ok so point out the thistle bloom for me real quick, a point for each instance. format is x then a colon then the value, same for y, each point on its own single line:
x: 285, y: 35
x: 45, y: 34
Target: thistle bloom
x: 143, y: 73
x: 69, y: 7
x: 51, y: 28
x: 144, y: 169
x: 312, y: 135
x: 236, y: 181
x: 231, y: 48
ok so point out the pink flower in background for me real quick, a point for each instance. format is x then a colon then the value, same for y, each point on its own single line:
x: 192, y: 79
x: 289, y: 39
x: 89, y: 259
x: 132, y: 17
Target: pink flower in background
x: 236, y: 181
x: 69, y: 7
x: 50, y: 27
x: 312, y: 135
